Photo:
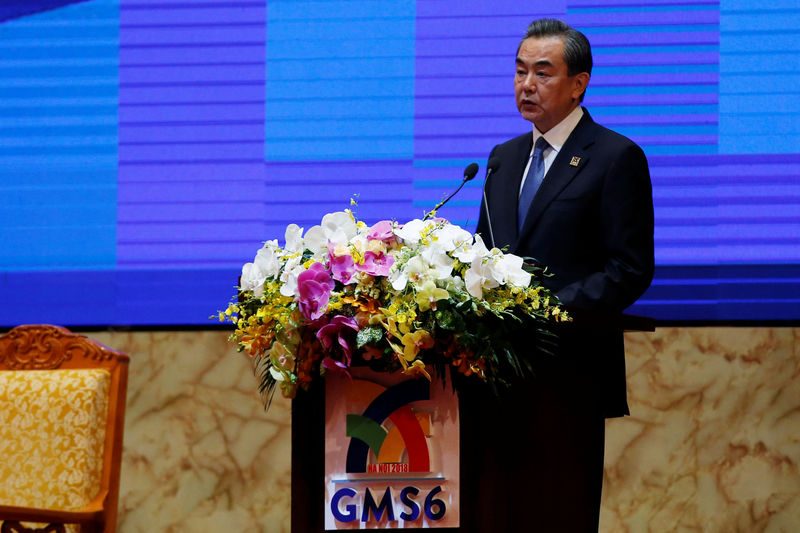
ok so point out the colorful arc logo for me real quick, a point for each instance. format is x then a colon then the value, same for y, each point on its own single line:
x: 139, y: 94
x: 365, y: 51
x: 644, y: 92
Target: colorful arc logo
x: 367, y: 433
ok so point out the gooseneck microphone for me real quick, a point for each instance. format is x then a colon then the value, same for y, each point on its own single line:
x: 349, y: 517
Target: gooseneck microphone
x: 491, y: 166
x: 469, y: 173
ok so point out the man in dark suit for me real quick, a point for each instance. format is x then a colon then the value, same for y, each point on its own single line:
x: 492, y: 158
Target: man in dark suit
x: 579, y: 201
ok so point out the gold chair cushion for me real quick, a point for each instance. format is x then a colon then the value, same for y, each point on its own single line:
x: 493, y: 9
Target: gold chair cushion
x: 52, y: 427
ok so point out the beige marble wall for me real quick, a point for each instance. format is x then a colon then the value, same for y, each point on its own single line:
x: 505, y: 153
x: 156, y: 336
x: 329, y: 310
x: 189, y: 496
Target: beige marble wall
x: 713, y: 444
x: 201, y: 454
x: 714, y: 441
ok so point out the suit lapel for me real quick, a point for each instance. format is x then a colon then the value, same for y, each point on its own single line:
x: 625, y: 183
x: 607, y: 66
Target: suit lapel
x: 562, y: 172
x: 508, y: 191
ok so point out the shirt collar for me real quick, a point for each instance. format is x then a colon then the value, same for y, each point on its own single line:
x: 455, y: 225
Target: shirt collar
x: 558, y: 134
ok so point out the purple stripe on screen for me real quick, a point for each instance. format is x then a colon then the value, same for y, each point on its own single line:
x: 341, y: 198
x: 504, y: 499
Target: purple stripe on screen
x: 189, y: 104
x: 623, y: 3
x: 676, y: 98
x: 200, y: 63
x: 189, y: 25
x: 446, y: 47
x: 643, y: 18
x: 125, y: 47
x: 133, y: 5
x: 201, y: 133
x: 378, y: 163
x: 144, y: 172
x: 198, y: 14
x: 209, y: 93
x: 601, y: 40
x: 208, y: 212
x: 448, y: 106
x: 726, y: 159
x: 689, y: 198
x: 665, y: 78
x: 666, y: 140
x: 656, y: 59
x: 379, y: 192
x: 193, y: 152
x: 251, y: 53
x: 468, y: 126
x: 219, y: 73
x: 692, y: 177
x: 199, y: 232
x: 485, y: 8
x: 477, y: 26
x: 183, y: 116
x: 651, y: 120
x: 197, y: 36
x: 154, y: 164
x: 254, y: 82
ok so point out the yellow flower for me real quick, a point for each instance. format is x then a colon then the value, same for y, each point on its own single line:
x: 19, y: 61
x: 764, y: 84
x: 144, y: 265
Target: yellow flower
x: 414, y: 342
x: 417, y: 368
x: 428, y: 295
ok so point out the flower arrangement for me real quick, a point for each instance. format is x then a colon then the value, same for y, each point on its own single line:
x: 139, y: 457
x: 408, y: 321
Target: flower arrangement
x: 411, y: 297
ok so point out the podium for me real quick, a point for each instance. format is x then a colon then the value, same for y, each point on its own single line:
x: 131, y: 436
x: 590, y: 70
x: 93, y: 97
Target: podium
x: 485, y: 421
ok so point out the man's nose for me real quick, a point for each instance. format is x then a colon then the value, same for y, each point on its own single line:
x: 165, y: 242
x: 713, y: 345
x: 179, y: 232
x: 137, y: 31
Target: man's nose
x: 527, y: 83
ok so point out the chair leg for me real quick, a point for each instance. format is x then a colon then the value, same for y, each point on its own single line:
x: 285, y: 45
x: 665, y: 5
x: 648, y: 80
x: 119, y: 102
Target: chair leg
x: 15, y: 527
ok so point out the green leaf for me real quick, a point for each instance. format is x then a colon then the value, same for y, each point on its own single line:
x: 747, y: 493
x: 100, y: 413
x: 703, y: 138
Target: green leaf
x: 449, y: 320
x: 369, y: 335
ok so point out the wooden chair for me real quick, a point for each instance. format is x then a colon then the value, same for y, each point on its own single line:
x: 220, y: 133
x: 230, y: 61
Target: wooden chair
x: 62, y: 411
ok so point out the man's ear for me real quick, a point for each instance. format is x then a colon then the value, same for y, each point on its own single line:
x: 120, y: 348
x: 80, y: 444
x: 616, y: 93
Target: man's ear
x: 580, y: 81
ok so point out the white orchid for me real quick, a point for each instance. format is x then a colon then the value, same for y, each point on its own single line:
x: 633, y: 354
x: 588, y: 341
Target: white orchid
x: 291, y: 270
x: 411, y: 232
x: 438, y: 260
x: 480, y: 277
x: 450, y: 237
x: 294, y: 239
x: 253, y: 279
x: 336, y: 228
x: 268, y: 261
x: 467, y: 252
x: 494, y: 269
x: 415, y: 270
x: 509, y: 271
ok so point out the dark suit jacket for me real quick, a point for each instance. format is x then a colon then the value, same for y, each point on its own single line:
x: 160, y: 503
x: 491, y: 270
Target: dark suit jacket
x: 591, y: 224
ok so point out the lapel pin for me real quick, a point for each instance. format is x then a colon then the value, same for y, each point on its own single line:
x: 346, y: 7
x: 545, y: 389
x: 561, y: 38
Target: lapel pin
x: 575, y: 161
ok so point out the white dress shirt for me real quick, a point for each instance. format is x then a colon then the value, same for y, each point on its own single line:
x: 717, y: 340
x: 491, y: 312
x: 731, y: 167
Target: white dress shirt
x: 555, y: 137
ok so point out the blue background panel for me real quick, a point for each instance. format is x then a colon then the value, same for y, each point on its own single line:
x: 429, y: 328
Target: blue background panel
x: 148, y: 148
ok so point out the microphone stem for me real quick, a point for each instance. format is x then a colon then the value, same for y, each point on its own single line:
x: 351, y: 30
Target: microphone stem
x: 440, y: 204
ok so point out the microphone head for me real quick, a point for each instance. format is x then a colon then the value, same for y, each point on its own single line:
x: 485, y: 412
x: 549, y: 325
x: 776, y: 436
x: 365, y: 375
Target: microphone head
x: 470, y: 171
x: 493, y: 164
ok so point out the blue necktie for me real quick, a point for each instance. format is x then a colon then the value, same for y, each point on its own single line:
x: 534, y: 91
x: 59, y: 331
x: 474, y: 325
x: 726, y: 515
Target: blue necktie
x: 532, y: 181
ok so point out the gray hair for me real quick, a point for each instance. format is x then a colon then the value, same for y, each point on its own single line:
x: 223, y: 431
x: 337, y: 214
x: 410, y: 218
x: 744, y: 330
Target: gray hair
x: 577, y: 50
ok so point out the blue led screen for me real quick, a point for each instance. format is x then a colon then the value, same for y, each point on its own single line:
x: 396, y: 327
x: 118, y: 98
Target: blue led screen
x: 148, y: 147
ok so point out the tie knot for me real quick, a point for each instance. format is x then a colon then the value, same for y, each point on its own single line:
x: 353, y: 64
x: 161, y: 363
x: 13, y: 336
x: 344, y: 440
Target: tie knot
x: 541, y: 144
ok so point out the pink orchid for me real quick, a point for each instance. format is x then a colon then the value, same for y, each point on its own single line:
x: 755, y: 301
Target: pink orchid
x: 332, y: 335
x: 342, y: 267
x: 376, y: 264
x: 382, y: 231
x: 314, y: 287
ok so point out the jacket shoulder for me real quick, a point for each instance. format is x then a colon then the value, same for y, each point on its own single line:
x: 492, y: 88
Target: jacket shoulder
x: 513, y: 144
x: 609, y: 139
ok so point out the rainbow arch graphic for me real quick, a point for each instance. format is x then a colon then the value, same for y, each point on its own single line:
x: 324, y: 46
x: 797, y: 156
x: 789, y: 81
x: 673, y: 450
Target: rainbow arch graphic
x: 409, y: 433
